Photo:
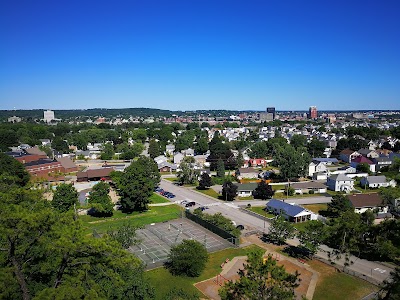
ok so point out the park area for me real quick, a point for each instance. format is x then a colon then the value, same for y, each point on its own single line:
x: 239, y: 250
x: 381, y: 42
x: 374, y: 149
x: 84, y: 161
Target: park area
x: 156, y: 240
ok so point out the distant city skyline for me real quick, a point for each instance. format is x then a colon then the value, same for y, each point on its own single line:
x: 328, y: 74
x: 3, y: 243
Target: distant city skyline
x: 184, y: 55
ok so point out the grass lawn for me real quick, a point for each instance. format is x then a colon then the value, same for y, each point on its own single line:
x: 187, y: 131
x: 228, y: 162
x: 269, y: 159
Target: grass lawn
x: 172, y: 179
x: 246, y: 198
x: 333, y: 285
x: 209, y: 192
x: 315, y: 208
x: 299, y: 226
x: 283, y: 196
x: 278, y: 187
x: 164, y: 281
x: 155, y: 214
x: 156, y: 198
x: 260, y: 210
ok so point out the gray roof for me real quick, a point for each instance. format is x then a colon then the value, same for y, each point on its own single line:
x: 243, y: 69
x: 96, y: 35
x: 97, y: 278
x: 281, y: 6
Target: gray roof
x: 340, y: 177
x: 243, y: 187
x: 308, y: 185
x: 289, y: 209
x: 376, y: 179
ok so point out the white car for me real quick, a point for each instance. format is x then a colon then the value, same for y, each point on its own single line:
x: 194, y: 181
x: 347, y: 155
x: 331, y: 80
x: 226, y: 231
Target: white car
x: 183, y: 202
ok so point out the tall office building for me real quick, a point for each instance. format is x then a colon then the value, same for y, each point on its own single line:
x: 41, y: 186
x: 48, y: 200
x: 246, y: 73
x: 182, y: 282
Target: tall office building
x: 48, y: 116
x: 271, y: 110
x: 313, y: 113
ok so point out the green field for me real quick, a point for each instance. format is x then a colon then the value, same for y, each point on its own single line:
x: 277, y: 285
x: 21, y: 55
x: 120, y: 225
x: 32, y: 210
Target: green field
x: 333, y: 285
x: 155, y: 214
x: 156, y: 198
x: 164, y: 281
x: 209, y: 192
x: 315, y: 208
x: 260, y: 210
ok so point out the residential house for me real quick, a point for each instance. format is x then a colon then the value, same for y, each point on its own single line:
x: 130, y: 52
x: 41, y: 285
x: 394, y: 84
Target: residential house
x: 326, y: 161
x: 348, y: 155
x: 307, y: 186
x: 160, y: 159
x: 178, y: 157
x: 368, y: 153
x: 166, y: 167
x: 246, y: 189
x: 256, y: 162
x: 363, y: 202
x: 340, y: 183
x: 246, y: 173
x: 363, y: 160
x: 316, y: 167
x: 291, y: 212
x: 375, y: 182
x: 169, y: 149
x: 381, y: 162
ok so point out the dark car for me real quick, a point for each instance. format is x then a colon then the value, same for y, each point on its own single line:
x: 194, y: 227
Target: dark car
x: 240, y: 227
x: 190, y: 204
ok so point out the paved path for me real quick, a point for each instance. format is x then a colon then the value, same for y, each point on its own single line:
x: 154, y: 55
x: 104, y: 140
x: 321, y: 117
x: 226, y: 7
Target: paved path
x: 370, y: 269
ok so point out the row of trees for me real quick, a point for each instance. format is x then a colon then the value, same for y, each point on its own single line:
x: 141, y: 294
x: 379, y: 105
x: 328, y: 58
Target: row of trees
x: 45, y: 253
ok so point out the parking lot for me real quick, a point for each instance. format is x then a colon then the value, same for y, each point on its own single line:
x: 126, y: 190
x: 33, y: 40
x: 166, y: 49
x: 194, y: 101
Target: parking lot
x: 157, y: 240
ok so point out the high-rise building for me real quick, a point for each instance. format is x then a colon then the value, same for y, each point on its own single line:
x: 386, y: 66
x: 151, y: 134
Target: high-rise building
x: 271, y: 110
x: 48, y: 116
x: 313, y: 113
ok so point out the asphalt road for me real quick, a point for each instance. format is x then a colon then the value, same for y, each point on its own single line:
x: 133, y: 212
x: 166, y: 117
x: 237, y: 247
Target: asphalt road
x: 231, y: 210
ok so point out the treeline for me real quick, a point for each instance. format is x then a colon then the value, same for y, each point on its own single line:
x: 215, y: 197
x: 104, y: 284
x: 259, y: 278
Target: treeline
x: 45, y: 253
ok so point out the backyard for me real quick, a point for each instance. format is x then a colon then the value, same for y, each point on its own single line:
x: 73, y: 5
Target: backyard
x: 315, y: 208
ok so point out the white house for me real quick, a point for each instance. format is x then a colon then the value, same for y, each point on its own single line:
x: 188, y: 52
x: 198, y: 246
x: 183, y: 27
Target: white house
x: 178, y: 158
x: 316, y: 167
x: 363, y: 202
x: 340, y: 183
x: 307, y: 186
x: 374, y: 181
x: 246, y: 189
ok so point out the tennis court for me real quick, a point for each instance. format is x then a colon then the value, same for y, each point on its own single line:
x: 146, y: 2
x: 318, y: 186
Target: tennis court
x: 157, y: 239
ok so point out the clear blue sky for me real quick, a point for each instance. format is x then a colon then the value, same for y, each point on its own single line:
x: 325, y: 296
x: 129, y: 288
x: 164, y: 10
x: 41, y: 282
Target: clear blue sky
x: 200, y: 54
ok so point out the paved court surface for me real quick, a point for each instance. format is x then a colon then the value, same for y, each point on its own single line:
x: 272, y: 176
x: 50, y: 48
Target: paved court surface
x: 157, y: 240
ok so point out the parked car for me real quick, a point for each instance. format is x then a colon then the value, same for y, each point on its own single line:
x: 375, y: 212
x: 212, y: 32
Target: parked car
x: 190, y: 204
x: 183, y: 202
x: 240, y: 227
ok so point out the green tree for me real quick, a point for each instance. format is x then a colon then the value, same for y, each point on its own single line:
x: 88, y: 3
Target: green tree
x: 154, y: 148
x: 391, y: 287
x: 205, y: 181
x: 220, y: 168
x: 298, y: 141
x: 339, y: 204
x: 292, y: 163
x: 316, y: 148
x: 100, y: 200
x: 47, y: 255
x: 107, y: 152
x: 229, y: 191
x: 188, y: 258
x: 188, y: 174
x: 65, y: 197
x: 137, y: 184
x: 263, y: 191
x: 201, y: 145
x: 344, y: 234
x: 125, y: 235
x: 312, y: 236
x: 12, y: 172
x: 363, y: 168
x: 60, y: 145
x: 261, y: 279
x: 280, y: 230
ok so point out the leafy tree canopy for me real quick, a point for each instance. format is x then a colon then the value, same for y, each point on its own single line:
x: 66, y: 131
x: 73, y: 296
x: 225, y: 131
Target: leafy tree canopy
x: 65, y: 197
